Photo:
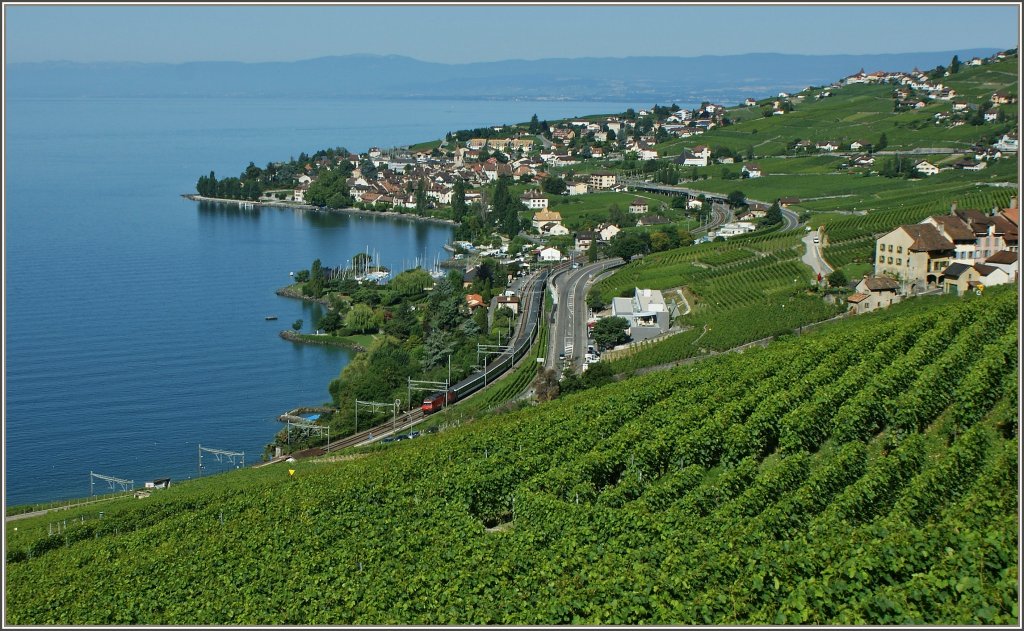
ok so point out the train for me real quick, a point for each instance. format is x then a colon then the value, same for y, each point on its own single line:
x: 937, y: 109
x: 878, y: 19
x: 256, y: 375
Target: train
x: 532, y: 306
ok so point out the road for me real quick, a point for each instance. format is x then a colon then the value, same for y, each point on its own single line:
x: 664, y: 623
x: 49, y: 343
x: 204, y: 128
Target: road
x: 569, y: 330
x: 812, y: 257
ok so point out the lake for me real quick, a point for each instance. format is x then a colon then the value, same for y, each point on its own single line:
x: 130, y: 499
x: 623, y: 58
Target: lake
x: 135, y: 319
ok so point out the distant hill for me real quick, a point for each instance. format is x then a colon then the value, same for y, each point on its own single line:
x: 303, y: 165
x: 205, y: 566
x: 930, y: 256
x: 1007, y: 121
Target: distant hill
x: 724, y: 79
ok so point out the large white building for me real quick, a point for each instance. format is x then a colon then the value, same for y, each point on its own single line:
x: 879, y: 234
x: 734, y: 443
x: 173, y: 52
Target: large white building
x: 727, y: 230
x: 647, y: 313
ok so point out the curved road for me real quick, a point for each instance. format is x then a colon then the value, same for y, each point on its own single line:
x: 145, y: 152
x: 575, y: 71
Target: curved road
x: 569, y: 330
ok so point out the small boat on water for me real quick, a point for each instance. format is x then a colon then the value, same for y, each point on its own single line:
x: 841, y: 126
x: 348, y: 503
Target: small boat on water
x: 270, y: 317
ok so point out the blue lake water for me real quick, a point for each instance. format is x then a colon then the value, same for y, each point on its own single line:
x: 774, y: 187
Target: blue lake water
x: 134, y: 319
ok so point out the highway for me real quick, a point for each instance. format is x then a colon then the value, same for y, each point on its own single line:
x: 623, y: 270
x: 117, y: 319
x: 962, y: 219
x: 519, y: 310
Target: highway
x: 568, y: 333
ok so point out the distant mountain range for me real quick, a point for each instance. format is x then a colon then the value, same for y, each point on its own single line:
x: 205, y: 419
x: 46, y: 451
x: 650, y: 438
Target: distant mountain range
x: 725, y: 79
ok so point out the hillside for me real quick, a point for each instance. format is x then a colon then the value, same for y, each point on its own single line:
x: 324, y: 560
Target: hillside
x: 862, y: 474
x: 755, y: 285
x: 649, y: 79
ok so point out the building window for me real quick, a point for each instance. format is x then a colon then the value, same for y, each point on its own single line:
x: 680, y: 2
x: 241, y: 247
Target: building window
x: 890, y: 260
x: 899, y: 261
x: 890, y: 247
x: 881, y: 247
x: 899, y: 249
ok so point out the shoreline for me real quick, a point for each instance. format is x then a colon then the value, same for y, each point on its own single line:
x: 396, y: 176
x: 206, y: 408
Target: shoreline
x: 309, y: 208
x: 328, y: 340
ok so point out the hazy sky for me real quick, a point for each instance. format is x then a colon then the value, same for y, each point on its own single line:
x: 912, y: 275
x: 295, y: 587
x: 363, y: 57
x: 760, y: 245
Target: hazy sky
x: 455, y: 34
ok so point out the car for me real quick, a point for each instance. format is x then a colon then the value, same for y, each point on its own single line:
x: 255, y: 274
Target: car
x: 561, y: 356
x: 575, y: 265
x: 816, y: 239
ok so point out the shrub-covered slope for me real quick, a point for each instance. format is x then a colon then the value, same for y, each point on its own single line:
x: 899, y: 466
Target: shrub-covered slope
x: 866, y: 473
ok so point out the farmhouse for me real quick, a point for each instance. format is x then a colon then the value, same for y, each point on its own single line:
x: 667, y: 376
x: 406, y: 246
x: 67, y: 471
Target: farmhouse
x: 874, y: 292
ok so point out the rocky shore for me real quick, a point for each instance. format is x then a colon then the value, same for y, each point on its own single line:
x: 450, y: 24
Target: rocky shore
x: 292, y: 292
x: 322, y: 340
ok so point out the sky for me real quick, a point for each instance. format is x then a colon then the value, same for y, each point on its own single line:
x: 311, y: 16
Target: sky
x: 460, y: 34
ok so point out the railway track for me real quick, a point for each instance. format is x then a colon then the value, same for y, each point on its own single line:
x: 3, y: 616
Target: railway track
x: 525, y: 334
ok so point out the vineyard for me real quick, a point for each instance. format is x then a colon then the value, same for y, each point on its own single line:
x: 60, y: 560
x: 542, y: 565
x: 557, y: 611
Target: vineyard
x: 864, y: 473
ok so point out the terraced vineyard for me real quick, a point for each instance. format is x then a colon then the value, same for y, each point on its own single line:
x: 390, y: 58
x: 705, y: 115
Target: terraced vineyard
x: 864, y: 474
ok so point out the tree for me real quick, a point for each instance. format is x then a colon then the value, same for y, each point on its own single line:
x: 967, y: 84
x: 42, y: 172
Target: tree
x: 459, y: 207
x: 592, y: 251
x: 629, y: 244
x: 315, y: 286
x: 534, y: 124
x: 411, y: 283
x: 421, y: 197
x: 609, y: 332
x: 554, y: 185
x: 736, y: 198
x: 954, y: 66
x: 297, y: 325
x: 594, y: 300
x: 546, y: 386
x: 774, y: 215
x: 837, y: 279
x: 883, y: 142
x: 402, y: 323
x: 360, y: 318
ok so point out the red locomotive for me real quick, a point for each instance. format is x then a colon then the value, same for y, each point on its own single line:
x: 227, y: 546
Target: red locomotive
x: 436, y: 401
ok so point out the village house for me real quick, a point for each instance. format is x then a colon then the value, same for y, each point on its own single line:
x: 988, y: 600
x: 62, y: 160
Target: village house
x: 926, y: 168
x: 751, y: 170
x: 874, y: 292
x: 534, y: 200
x: 914, y: 254
x: 512, y: 302
x: 638, y: 206
x: 549, y: 254
x: 474, y: 301
x: 828, y: 145
x: 698, y: 156
x: 1002, y: 98
x: 1006, y: 261
x: 959, y: 233
x: 607, y: 231
x: 960, y: 278
x: 554, y: 230
x: 1008, y: 142
x: 577, y: 188
x: 585, y: 238
x: 546, y: 216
